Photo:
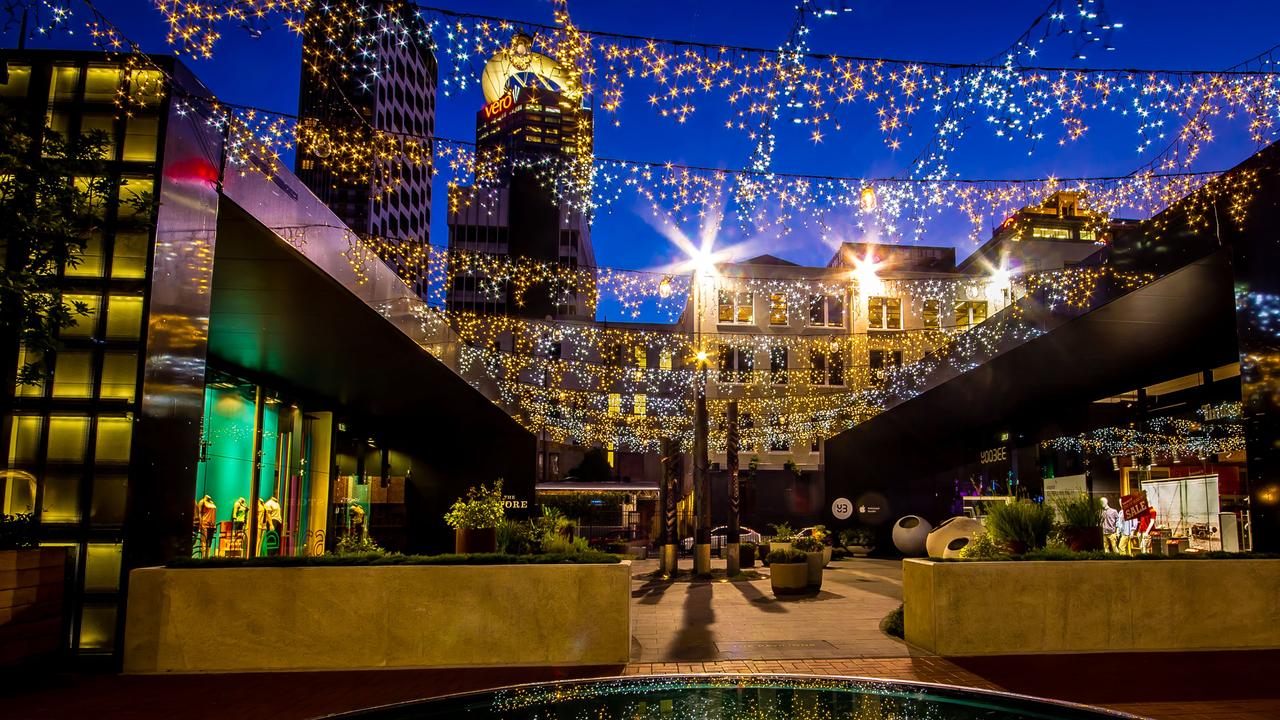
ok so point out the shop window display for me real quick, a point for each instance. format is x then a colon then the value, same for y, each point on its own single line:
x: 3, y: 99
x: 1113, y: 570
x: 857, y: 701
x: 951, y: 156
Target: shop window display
x: 1188, y: 511
x: 241, y: 510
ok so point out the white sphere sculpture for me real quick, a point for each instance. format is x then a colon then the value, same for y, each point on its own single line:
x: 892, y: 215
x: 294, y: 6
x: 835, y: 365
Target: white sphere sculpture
x: 952, y: 536
x: 909, y: 535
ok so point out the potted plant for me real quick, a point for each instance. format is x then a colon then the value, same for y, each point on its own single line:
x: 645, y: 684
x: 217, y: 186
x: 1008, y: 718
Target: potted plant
x: 746, y: 555
x: 32, y: 585
x: 823, y: 536
x: 859, y: 541
x: 1020, y: 526
x: 475, y: 520
x: 813, y: 554
x: 1081, y: 518
x: 781, y: 539
x: 788, y: 572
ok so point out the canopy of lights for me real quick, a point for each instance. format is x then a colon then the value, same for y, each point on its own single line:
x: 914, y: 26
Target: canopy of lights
x: 628, y: 387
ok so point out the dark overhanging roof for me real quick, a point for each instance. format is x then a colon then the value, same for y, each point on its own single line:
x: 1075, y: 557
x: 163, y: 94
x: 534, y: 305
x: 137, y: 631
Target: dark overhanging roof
x: 276, y: 315
x: 1177, y: 325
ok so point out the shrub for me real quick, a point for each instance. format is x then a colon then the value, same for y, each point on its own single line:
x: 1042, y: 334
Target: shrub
x: 561, y: 545
x: 787, y: 556
x: 1079, y: 510
x: 893, y: 625
x: 17, y: 532
x: 982, y: 547
x: 380, y: 559
x: 807, y: 544
x: 1022, y: 526
x: 518, y: 537
x: 859, y: 536
x: 482, y: 508
x: 822, y: 534
x: 782, y: 531
x: 748, y: 544
x: 358, y: 545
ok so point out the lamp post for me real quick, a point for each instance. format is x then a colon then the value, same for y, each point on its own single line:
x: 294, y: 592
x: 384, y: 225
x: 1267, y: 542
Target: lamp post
x: 701, y: 482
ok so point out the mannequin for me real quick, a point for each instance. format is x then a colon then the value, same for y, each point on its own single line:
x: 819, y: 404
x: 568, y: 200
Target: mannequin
x: 1110, y: 527
x: 1146, y: 520
x: 356, y: 514
x: 273, y: 513
x: 239, y: 516
x: 206, y: 519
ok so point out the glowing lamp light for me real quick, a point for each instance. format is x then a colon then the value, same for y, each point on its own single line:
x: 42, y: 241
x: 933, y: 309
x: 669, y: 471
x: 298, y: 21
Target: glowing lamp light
x: 867, y: 199
x: 1001, y: 277
x: 664, y: 288
x: 701, y: 356
x: 867, y: 272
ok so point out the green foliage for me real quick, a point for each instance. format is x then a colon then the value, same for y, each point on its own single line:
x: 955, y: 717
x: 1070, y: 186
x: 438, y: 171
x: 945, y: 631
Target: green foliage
x: 1079, y: 510
x: 518, y: 537
x: 807, y: 544
x: 357, y: 545
x: 561, y: 545
x: 17, y: 532
x: 822, y: 534
x: 1024, y: 524
x: 577, y: 506
x: 748, y: 544
x: 583, y: 558
x: 482, y: 508
x: 893, y: 624
x: 787, y: 556
x: 982, y: 547
x: 782, y: 531
x: 857, y: 536
x: 51, y: 199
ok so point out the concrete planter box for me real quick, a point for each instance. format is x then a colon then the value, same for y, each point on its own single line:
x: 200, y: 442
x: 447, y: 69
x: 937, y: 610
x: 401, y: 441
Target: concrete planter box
x: 1008, y: 608
x: 789, y: 578
x: 329, y: 618
x: 814, y: 562
x: 32, y: 586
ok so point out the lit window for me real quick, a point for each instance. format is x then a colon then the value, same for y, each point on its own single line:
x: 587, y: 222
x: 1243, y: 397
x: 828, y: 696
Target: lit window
x: 140, y: 139
x: 67, y: 438
x: 24, y: 439
x: 97, y: 627
x: 19, y: 80
x: 736, y: 307
x: 105, y: 123
x: 884, y: 313
x: 1087, y: 235
x: 124, y: 317
x: 777, y: 309
x: 931, y: 313
x: 85, y: 324
x: 615, y: 404
x: 826, y: 367
x: 664, y: 359
x: 642, y: 362
x: 1051, y: 233
x: 73, y: 374
x: 639, y: 404
x: 129, y: 258
x: 880, y: 362
x: 102, y: 84
x: 119, y: 375
x: 60, y: 502
x: 89, y: 261
x: 63, y: 84
x: 970, y: 313
x: 778, y: 365
x: 102, y: 567
x: 114, y: 436
x: 34, y: 389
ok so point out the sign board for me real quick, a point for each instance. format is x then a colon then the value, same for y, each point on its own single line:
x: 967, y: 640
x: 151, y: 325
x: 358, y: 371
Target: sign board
x: 994, y: 455
x: 1134, y: 505
x: 842, y: 508
x: 499, y: 106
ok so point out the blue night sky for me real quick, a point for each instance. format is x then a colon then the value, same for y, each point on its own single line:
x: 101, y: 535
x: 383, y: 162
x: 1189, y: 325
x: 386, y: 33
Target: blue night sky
x: 1169, y: 34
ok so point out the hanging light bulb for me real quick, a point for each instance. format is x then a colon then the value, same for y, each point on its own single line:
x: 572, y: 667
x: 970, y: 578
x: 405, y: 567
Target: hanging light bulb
x: 867, y: 199
x: 664, y: 288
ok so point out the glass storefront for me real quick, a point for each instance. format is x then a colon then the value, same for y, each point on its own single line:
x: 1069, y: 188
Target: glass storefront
x: 256, y: 491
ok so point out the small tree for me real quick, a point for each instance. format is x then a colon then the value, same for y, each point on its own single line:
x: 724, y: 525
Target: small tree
x: 52, y: 194
x: 481, y: 509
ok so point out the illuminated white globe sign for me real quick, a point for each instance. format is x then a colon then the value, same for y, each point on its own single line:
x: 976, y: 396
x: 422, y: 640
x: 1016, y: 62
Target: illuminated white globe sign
x: 842, y: 508
x: 519, y: 67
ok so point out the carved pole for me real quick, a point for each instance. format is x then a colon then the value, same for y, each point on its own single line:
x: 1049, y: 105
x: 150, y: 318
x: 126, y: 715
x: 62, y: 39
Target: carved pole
x: 670, y: 496
x: 701, y: 479
x: 732, y: 563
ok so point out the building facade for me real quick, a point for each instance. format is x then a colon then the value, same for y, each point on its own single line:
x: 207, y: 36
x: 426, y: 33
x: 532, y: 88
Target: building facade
x: 397, y: 97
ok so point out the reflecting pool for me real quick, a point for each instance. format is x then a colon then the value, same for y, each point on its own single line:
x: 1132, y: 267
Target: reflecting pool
x: 759, y: 697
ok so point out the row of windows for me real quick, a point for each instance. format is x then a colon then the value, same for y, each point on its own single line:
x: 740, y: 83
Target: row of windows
x: 883, y: 313
x: 736, y: 364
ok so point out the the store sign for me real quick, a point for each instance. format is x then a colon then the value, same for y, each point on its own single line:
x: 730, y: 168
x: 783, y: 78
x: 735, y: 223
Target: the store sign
x: 1134, y: 505
x: 499, y: 106
x: 994, y: 455
x: 509, y: 502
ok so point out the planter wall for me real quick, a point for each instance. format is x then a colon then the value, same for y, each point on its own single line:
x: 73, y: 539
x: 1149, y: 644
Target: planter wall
x: 1010, y: 608
x: 32, y: 585
x: 789, y: 578
x: 482, y: 540
x: 328, y: 618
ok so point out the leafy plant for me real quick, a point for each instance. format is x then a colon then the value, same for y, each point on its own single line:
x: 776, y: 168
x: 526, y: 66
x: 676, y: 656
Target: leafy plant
x: 822, y: 534
x: 518, y: 537
x: 482, y: 508
x: 52, y: 198
x: 857, y: 536
x: 748, y: 544
x: 787, y: 556
x: 1079, y: 510
x: 381, y: 559
x: 782, y: 531
x: 558, y: 544
x: 982, y: 547
x: 893, y: 624
x: 1022, y: 526
x: 17, y: 532
x: 357, y: 545
x: 807, y: 544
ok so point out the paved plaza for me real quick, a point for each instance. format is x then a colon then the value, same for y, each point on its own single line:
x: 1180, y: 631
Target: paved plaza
x: 716, y: 620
